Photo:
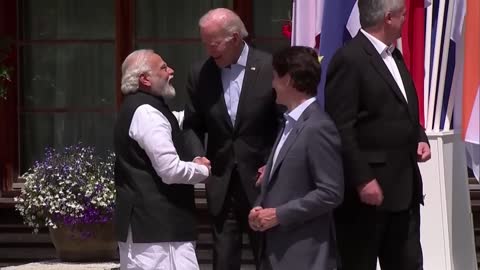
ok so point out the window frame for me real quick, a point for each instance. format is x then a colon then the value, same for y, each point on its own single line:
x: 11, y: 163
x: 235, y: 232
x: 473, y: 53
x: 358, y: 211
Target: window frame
x: 10, y: 109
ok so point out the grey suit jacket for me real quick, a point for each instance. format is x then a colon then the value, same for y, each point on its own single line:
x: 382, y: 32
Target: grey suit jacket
x: 305, y: 186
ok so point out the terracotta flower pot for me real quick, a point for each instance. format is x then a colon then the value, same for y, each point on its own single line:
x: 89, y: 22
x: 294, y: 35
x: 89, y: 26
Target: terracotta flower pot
x: 86, y: 242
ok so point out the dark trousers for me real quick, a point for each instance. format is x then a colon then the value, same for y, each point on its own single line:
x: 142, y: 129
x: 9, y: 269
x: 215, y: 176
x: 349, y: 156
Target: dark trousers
x: 265, y: 264
x: 229, y: 226
x: 365, y: 233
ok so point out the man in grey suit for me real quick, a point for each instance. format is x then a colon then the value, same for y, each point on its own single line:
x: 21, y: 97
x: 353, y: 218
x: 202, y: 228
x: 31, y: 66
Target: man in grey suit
x: 303, y: 180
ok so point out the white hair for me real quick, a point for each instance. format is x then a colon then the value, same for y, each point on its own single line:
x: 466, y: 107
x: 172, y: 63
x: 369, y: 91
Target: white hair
x: 228, y: 20
x: 133, y: 66
x: 372, y: 12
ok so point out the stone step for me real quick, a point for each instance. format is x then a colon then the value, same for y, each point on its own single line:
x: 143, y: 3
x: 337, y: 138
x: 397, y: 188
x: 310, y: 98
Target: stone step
x: 9, y: 239
x: 18, y: 255
x: 27, y: 253
x: 53, y: 265
x: 19, y: 246
x: 25, y: 239
x: 19, y: 235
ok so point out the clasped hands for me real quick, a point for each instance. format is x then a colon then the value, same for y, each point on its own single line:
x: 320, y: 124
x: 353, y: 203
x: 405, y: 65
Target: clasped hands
x: 262, y: 219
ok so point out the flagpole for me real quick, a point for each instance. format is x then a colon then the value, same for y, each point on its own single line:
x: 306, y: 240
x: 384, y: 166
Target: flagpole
x: 443, y: 68
x: 436, y: 59
x: 293, y: 38
x: 455, y: 99
x: 428, y: 47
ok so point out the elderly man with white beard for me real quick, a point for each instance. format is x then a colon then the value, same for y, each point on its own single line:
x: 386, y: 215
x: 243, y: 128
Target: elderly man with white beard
x: 154, y: 216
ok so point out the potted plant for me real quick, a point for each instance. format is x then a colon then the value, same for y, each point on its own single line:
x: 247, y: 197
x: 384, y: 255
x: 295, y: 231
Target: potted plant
x: 72, y: 192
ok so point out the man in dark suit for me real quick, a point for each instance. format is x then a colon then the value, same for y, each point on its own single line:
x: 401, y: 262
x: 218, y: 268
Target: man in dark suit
x: 371, y: 97
x: 304, y: 174
x: 232, y: 101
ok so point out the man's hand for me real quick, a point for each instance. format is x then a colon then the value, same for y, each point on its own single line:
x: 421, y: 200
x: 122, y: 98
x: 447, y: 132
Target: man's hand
x: 260, y: 175
x: 253, y: 218
x: 423, y: 152
x: 265, y: 219
x: 203, y: 161
x: 371, y: 193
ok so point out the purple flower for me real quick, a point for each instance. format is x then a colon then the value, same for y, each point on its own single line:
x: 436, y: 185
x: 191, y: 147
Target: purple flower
x: 71, y: 187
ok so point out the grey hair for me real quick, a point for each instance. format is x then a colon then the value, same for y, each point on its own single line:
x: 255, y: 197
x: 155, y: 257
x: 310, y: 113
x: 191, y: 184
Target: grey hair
x: 133, y: 66
x: 372, y: 12
x: 228, y: 19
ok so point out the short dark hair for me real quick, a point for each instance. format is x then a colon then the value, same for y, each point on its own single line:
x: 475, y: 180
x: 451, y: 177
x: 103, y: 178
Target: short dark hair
x: 302, y: 64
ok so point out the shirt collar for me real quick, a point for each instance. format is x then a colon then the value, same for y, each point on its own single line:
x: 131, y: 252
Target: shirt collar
x: 242, y: 60
x: 381, y: 47
x: 297, y: 112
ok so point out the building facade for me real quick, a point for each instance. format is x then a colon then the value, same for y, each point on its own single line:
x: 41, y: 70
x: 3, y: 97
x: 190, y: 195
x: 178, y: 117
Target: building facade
x: 65, y: 58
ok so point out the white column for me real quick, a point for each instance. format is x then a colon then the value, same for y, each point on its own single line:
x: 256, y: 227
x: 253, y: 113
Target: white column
x: 447, y: 227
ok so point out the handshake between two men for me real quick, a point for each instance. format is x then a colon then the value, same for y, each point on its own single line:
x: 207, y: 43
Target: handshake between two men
x: 203, y: 161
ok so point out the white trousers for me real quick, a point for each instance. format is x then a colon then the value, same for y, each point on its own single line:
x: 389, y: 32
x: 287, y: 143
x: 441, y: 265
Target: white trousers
x: 157, y: 256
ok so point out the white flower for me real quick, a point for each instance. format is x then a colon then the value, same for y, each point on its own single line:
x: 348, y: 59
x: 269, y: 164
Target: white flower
x: 63, y: 184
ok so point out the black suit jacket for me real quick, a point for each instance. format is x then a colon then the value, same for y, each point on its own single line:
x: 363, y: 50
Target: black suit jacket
x: 380, y: 131
x: 245, y: 145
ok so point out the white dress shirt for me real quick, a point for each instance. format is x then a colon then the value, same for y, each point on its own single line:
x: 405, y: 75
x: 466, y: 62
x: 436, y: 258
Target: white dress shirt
x: 386, y: 54
x: 232, y: 82
x: 152, y: 131
x: 180, y: 115
x: 291, y: 119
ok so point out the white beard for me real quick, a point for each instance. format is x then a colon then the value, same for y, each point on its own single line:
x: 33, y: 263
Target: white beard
x: 165, y: 90
x: 168, y: 91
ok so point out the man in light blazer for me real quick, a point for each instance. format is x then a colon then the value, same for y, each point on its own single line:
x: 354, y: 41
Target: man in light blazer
x: 304, y: 175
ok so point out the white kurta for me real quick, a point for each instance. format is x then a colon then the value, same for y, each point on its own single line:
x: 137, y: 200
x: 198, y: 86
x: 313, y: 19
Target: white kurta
x: 156, y: 256
x: 152, y: 131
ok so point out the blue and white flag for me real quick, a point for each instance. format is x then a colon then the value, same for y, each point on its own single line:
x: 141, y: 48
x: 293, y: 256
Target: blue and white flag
x: 340, y: 23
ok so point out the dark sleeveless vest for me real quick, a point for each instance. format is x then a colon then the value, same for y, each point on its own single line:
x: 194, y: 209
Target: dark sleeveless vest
x: 155, y: 211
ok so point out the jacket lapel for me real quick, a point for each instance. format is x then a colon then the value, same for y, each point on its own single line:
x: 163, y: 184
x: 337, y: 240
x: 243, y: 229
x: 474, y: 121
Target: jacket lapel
x: 268, y: 167
x: 292, y: 137
x: 379, y: 65
x: 408, y: 84
x: 217, y: 87
x: 250, y: 77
